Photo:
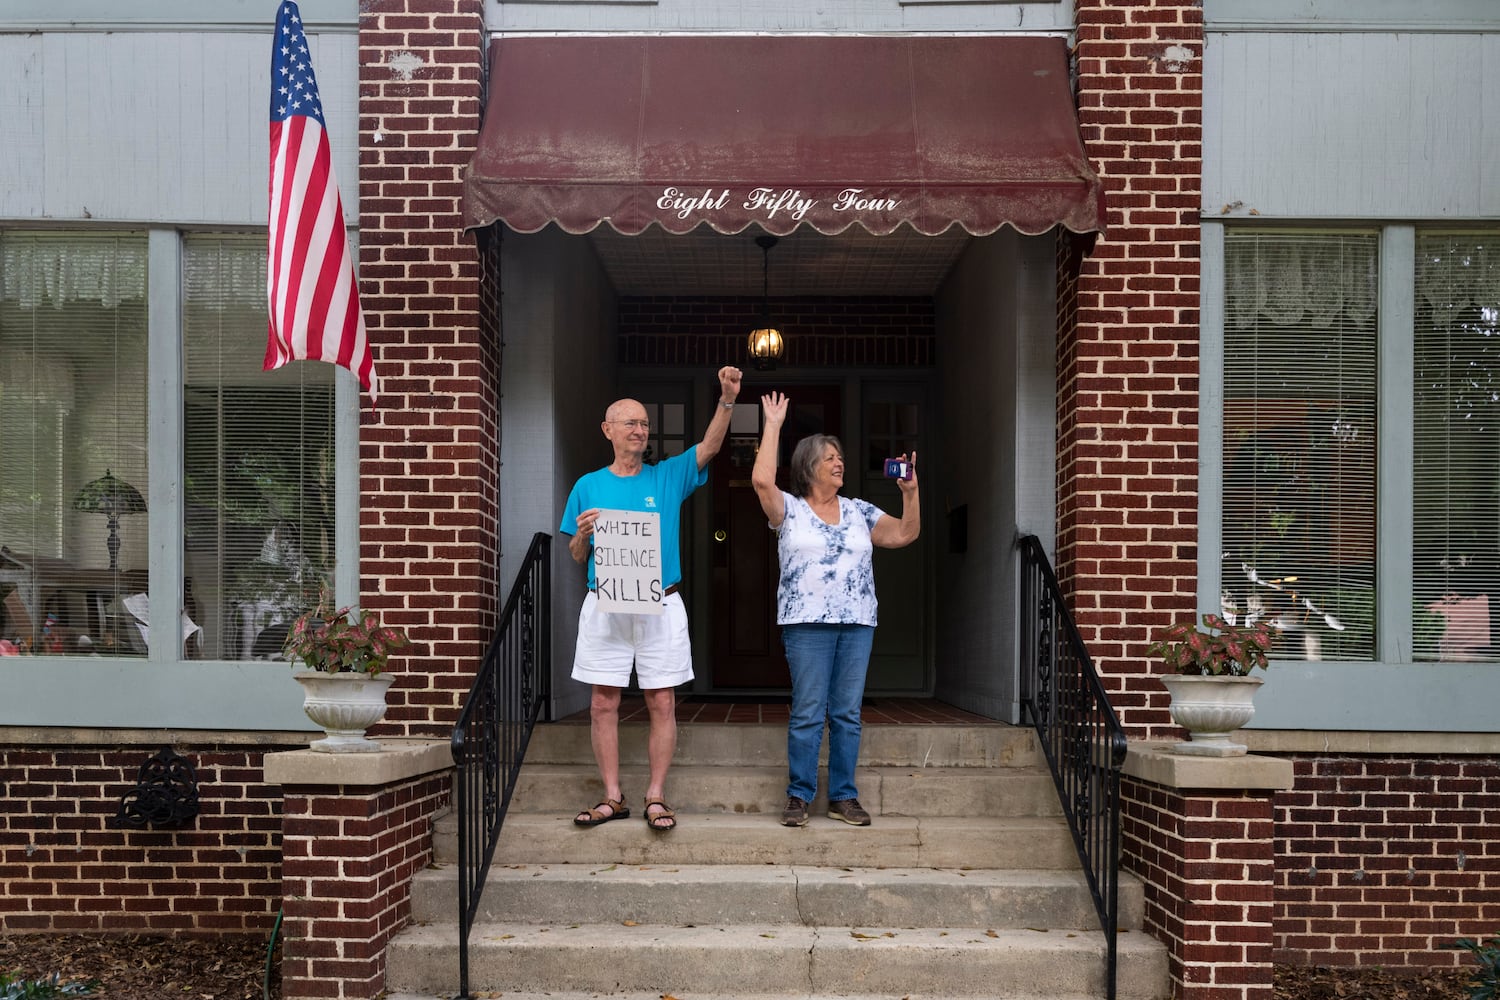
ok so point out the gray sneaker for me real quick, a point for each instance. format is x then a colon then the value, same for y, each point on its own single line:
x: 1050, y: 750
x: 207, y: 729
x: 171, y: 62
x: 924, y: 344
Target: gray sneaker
x: 850, y: 811
x: 795, y: 813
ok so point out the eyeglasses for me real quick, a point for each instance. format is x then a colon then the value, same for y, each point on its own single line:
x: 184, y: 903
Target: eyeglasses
x: 642, y: 425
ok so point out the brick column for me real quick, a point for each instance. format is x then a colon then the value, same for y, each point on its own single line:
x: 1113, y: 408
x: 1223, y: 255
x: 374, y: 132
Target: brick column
x: 1199, y: 832
x: 356, y: 828
x: 1128, y: 349
x: 429, y: 453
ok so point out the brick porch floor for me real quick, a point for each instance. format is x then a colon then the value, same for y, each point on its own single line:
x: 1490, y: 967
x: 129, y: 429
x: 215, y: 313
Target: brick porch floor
x: 877, y: 711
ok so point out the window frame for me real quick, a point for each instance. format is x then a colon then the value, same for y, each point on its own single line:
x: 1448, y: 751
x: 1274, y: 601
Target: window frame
x: 164, y: 690
x: 1392, y: 692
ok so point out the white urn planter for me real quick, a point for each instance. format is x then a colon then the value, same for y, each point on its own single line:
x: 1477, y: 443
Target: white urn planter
x: 1211, y: 708
x: 345, y: 705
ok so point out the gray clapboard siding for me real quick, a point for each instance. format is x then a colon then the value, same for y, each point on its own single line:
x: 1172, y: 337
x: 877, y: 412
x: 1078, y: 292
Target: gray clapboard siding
x: 791, y: 16
x: 134, y: 15
x: 21, y: 153
x: 1351, y: 15
x: 1352, y: 125
x: 155, y: 126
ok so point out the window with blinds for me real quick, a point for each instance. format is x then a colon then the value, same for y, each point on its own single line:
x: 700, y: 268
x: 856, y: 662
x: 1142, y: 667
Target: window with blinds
x: 258, y: 480
x: 73, y: 468
x: 1456, y: 423
x: 1300, y: 438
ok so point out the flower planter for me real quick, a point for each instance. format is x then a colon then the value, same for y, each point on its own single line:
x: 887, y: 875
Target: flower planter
x: 1211, y: 708
x: 345, y: 705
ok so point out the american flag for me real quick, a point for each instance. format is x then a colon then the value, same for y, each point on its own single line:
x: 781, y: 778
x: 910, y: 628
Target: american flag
x: 315, y: 313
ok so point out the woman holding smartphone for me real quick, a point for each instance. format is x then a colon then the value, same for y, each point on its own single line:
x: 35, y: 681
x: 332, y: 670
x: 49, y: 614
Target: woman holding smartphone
x: 825, y: 603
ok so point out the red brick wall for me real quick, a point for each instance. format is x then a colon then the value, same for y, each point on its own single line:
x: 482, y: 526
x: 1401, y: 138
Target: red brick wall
x: 1207, y: 864
x: 1384, y: 860
x: 349, y: 861
x: 64, y: 869
x: 820, y: 331
x: 1128, y: 368
x: 429, y: 453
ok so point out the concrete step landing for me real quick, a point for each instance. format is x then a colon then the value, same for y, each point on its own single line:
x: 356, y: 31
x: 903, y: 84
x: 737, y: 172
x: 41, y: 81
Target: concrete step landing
x: 778, y: 959
x: 774, y: 894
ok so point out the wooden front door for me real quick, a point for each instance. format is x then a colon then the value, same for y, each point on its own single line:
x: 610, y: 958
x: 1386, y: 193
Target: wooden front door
x: 747, y: 641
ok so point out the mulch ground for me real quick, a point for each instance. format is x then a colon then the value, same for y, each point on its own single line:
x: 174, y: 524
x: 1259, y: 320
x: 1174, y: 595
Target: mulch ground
x: 1371, y: 984
x: 150, y: 968
x: 147, y: 968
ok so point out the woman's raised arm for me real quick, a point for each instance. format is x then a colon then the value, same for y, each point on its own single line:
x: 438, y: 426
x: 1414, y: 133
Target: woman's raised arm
x: 763, y: 477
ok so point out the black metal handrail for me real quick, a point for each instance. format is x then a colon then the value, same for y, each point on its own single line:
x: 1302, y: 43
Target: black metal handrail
x: 489, y: 741
x: 1081, y: 737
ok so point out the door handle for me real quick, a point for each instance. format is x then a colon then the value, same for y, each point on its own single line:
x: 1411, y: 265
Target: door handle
x: 720, y: 534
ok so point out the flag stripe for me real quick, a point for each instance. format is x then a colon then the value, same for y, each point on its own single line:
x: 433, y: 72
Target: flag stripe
x: 313, y: 299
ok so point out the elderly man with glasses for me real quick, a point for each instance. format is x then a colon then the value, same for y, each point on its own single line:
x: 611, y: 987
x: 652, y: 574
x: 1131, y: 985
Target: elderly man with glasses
x: 657, y: 646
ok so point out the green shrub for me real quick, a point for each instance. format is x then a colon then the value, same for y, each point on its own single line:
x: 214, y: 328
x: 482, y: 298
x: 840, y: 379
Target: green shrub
x: 1484, y: 984
x: 42, y: 989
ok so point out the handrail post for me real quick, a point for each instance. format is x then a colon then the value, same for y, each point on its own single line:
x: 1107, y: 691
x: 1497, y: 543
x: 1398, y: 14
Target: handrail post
x: 511, y: 690
x: 1080, y: 735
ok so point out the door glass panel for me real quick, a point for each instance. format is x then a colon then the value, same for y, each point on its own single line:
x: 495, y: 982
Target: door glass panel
x: 892, y: 429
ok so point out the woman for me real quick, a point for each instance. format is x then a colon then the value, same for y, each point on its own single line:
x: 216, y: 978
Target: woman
x: 825, y: 604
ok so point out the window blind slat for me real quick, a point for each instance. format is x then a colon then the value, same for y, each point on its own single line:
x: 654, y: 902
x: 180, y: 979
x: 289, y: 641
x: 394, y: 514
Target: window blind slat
x: 259, y: 519
x: 73, y: 466
x: 1300, y: 439
x: 1456, y: 469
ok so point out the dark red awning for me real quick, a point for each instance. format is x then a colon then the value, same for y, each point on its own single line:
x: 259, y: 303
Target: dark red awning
x: 781, y: 131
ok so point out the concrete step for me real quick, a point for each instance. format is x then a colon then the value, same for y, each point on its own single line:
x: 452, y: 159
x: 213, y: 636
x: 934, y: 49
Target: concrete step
x: 736, y: 960
x: 657, y: 995
x: 881, y: 745
x: 1034, y: 842
x: 761, y: 790
x: 773, y: 894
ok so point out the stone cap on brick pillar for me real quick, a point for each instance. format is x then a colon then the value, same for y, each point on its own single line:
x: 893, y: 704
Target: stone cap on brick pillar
x: 1156, y: 763
x: 397, y: 760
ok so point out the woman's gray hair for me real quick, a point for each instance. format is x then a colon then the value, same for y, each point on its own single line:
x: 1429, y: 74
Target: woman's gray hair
x: 805, y: 459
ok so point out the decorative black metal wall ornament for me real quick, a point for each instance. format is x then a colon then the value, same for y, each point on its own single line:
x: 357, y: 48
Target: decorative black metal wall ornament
x: 165, y: 794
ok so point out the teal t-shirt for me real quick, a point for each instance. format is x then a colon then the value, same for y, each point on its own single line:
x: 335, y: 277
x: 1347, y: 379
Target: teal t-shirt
x: 660, y: 488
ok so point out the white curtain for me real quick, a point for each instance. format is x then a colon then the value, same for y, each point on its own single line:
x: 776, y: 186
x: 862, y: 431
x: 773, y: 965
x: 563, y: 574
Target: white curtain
x: 1456, y: 274
x: 42, y: 270
x: 1292, y: 282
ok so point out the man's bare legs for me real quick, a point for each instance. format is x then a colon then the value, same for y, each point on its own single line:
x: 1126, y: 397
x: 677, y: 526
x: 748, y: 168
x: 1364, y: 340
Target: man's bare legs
x: 661, y: 703
x: 604, y: 734
x: 661, y: 743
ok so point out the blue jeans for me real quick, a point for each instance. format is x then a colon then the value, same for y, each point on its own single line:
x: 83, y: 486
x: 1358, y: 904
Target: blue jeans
x: 828, y: 682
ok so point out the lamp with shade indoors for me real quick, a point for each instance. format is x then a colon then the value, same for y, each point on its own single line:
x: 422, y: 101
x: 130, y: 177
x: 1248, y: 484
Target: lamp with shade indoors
x: 111, y: 497
x: 766, y: 343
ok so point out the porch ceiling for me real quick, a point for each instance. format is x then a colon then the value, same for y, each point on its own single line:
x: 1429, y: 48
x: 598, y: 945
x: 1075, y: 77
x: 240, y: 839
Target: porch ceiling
x: 805, y: 262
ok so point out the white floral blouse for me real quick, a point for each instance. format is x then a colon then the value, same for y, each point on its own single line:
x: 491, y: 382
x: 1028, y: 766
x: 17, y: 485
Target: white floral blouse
x: 827, y: 570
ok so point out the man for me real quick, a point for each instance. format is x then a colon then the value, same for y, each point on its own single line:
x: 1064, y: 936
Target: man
x: 656, y: 645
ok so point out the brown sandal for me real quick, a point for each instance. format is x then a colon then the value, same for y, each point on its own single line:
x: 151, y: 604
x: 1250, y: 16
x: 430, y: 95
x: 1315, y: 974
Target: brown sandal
x: 665, y: 818
x: 596, y: 815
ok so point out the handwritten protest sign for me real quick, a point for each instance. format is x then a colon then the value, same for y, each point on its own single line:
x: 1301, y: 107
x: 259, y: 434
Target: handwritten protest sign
x: 627, y: 562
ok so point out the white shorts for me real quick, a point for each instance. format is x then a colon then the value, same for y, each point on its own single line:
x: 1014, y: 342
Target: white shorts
x: 657, y: 645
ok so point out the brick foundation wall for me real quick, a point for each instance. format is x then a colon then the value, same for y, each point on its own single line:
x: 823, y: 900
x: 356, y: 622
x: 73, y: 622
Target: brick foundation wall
x: 1383, y: 860
x: 1207, y: 864
x: 820, y: 331
x: 65, y: 869
x: 349, y: 861
x: 429, y: 452
x: 1128, y: 368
